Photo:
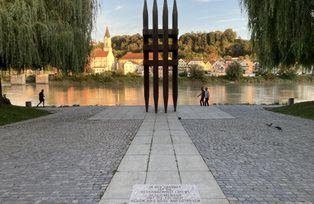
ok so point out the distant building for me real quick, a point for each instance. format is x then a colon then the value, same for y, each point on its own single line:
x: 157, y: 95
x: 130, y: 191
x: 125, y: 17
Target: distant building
x: 219, y: 68
x: 130, y: 67
x: 248, y: 67
x: 197, y: 62
x: 136, y: 58
x: 182, y: 63
x: 208, y: 67
x: 305, y: 70
x: 134, y: 62
x: 182, y: 66
x: 205, y: 65
x: 103, y: 60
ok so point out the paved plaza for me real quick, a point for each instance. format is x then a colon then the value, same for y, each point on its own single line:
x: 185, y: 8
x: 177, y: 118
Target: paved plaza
x: 62, y: 158
x: 232, y: 154
x: 254, y: 162
x: 162, y: 153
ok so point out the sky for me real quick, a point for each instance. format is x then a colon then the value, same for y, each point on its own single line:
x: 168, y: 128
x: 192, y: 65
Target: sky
x: 125, y: 16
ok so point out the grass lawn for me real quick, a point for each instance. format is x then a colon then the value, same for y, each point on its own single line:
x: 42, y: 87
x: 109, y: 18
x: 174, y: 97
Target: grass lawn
x: 12, y: 114
x: 304, y: 110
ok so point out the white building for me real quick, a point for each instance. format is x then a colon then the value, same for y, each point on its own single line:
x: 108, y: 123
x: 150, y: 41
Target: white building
x: 130, y: 67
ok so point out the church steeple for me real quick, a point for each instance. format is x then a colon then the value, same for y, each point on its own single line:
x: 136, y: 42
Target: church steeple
x: 107, y: 40
x: 107, y: 34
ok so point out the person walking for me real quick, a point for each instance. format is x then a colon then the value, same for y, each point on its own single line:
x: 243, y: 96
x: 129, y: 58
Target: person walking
x: 202, y: 95
x: 41, y: 98
x: 206, y: 97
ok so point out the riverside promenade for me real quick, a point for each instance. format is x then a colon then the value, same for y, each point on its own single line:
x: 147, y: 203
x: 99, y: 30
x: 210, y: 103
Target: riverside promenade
x: 163, y: 153
x: 98, y: 154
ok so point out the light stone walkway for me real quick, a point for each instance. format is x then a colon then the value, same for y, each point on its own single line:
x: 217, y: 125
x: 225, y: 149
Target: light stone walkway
x: 120, y: 113
x: 162, y: 153
x: 202, y: 113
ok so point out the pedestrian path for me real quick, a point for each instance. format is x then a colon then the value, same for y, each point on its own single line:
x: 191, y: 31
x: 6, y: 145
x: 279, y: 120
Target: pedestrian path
x: 120, y: 113
x: 202, y: 113
x: 162, y: 153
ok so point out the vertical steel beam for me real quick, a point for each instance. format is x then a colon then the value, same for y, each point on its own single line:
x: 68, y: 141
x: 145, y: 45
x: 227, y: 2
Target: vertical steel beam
x: 165, y: 56
x: 0, y: 88
x: 156, y: 55
x: 175, y: 56
x: 146, y: 56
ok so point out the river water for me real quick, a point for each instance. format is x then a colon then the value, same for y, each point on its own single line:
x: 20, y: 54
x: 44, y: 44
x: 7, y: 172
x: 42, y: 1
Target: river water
x: 126, y: 94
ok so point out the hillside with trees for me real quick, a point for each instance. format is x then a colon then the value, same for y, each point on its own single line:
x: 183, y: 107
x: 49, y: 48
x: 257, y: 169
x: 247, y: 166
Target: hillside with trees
x: 213, y: 45
x: 209, y: 45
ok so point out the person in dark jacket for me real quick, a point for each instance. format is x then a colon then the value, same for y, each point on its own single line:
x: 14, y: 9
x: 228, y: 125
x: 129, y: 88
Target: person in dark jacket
x: 41, y: 98
x: 202, y: 95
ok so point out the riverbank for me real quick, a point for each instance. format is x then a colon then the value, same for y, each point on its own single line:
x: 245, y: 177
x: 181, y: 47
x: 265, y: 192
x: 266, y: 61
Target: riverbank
x: 134, y: 79
x: 13, y: 114
x: 112, y: 77
x: 304, y: 110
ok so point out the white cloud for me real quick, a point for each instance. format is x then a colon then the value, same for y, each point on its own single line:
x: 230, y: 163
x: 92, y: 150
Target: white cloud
x: 118, y: 7
x: 230, y: 20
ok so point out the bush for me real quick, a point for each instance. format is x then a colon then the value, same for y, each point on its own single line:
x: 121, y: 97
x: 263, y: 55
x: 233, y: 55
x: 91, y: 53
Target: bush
x: 31, y: 79
x: 196, y: 72
x: 234, y: 71
x: 58, y: 77
x: 103, y: 77
x: 133, y: 75
x: 183, y: 74
x: 289, y: 74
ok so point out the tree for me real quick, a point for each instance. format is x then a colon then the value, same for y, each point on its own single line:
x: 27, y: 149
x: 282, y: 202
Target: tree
x: 234, y: 71
x: 197, y: 73
x: 239, y: 48
x: 127, y: 43
x: 191, y: 45
x: 282, y: 31
x: 37, y: 33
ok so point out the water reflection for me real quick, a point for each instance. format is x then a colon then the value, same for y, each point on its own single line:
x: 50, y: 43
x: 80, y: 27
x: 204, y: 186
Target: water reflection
x: 133, y: 95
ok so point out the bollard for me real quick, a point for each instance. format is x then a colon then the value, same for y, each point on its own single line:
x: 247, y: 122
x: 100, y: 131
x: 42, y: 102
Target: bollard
x: 291, y: 101
x: 28, y: 104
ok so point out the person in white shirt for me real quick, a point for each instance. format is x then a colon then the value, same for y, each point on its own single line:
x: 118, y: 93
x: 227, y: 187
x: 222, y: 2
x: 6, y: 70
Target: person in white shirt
x: 206, y: 97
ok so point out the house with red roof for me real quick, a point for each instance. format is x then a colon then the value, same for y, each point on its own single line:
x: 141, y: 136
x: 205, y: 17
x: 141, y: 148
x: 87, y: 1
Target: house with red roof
x: 133, y: 62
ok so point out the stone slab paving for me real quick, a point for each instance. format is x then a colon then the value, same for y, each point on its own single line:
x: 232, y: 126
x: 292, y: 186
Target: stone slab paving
x: 197, y: 112
x: 162, y: 153
x: 62, y: 158
x: 121, y: 113
x: 255, y: 163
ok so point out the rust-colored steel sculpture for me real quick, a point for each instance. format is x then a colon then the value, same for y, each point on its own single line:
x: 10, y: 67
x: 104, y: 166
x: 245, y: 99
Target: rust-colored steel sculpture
x: 157, y: 36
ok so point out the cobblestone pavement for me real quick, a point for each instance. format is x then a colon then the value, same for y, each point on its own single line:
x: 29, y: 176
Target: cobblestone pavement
x: 256, y: 163
x: 61, y: 158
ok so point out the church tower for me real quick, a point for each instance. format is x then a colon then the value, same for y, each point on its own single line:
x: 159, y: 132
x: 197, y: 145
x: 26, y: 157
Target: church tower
x: 107, y: 41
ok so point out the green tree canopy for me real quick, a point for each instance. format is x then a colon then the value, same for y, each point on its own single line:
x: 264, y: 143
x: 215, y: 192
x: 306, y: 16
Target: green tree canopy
x: 191, y: 45
x: 37, y: 33
x: 127, y: 43
x: 282, y: 31
x: 234, y: 71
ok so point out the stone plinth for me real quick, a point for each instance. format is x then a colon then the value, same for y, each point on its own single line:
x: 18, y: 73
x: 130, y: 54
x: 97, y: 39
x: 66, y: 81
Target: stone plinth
x: 183, y: 194
x: 18, y: 79
x: 42, y: 79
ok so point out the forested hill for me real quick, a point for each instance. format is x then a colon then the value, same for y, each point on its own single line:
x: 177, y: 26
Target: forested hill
x: 191, y: 45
